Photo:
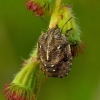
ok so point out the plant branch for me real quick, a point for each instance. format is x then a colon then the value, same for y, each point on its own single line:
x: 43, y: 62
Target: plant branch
x: 54, y: 19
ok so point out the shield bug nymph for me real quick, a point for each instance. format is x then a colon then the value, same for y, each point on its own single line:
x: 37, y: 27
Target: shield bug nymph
x: 54, y: 53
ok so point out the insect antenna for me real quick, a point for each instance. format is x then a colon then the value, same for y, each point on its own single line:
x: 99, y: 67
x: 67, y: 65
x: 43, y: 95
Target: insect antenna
x: 66, y: 23
x: 43, y: 20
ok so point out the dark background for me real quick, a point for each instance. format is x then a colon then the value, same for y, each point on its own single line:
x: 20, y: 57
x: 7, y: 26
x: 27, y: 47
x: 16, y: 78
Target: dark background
x: 19, y: 31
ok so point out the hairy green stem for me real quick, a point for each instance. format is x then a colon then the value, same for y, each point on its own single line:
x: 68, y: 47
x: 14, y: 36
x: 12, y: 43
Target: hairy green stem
x: 30, y: 76
x: 54, y: 15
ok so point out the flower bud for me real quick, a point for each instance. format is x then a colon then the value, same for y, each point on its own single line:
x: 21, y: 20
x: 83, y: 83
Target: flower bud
x: 39, y: 7
x: 23, y: 85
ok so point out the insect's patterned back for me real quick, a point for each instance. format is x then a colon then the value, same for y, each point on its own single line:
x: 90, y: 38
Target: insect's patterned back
x: 54, y: 53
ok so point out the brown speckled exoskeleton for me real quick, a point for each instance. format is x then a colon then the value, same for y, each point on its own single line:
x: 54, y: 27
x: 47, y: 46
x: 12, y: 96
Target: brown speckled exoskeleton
x: 54, y: 53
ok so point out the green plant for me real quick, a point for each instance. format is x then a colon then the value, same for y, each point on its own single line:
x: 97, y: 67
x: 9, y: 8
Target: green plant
x: 27, y: 82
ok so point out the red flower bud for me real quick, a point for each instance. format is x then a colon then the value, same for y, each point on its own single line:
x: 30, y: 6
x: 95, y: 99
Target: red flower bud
x: 38, y: 7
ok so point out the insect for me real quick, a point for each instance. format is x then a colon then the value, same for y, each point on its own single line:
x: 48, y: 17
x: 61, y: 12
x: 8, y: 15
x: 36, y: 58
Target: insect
x: 54, y: 53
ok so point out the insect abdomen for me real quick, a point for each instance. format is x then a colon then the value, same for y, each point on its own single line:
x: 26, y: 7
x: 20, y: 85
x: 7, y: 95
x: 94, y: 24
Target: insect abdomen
x: 54, y: 53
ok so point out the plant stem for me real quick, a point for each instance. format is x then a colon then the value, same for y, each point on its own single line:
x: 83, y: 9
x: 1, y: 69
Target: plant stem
x: 54, y: 16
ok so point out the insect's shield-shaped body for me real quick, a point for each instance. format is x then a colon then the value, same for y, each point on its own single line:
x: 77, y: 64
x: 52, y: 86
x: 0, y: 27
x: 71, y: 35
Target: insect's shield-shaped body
x: 54, y: 53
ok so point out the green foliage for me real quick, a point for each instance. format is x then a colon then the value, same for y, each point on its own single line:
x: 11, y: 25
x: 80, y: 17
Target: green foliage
x: 19, y: 31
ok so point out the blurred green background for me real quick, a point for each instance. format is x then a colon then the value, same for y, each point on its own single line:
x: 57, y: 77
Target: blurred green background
x: 19, y: 31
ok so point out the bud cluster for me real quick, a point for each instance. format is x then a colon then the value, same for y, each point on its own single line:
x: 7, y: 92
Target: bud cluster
x: 39, y: 7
